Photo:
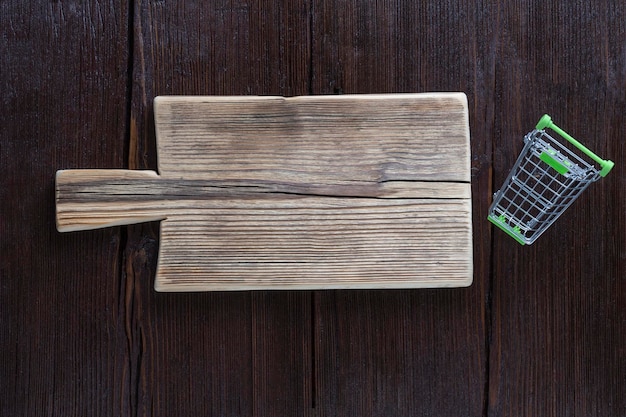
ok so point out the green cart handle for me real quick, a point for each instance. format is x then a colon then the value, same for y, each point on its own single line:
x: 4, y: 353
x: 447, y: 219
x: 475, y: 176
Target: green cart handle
x: 546, y: 122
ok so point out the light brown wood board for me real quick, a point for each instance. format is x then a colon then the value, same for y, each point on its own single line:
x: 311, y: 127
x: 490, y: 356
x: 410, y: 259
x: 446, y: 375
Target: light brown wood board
x: 312, y: 192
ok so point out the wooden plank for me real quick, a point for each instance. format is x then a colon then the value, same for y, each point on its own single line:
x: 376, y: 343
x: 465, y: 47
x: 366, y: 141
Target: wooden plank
x: 283, y: 357
x: 558, y: 306
x: 410, y: 352
x: 247, y: 353
x: 315, y: 243
x: 92, y: 198
x: 298, y: 241
x: 383, y: 345
x: 315, y: 140
x: 63, y: 77
x: 296, y: 193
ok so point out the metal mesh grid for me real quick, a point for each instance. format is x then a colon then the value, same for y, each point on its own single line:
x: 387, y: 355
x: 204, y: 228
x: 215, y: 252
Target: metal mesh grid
x: 534, y: 194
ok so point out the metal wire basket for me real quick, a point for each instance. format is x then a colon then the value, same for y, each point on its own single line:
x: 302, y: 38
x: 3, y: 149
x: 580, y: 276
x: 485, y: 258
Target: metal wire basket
x: 545, y: 180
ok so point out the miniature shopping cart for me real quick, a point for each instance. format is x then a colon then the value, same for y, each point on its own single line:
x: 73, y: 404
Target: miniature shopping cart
x: 545, y: 180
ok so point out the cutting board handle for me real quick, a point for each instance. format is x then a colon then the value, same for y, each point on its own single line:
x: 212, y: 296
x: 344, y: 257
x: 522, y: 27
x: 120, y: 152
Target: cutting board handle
x: 95, y: 198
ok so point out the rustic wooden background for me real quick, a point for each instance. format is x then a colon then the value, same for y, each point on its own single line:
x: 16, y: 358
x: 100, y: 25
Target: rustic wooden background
x: 542, y: 331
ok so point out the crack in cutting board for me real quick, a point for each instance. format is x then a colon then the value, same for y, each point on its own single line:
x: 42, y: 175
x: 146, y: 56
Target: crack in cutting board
x: 312, y: 192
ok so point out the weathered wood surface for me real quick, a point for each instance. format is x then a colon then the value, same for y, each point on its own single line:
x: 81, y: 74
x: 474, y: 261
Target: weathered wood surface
x: 353, y: 191
x: 64, y: 340
x: 559, y: 309
x: 540, y: 331
x: 356, y: 139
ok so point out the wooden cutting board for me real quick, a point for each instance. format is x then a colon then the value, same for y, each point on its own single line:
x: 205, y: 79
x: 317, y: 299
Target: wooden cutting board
x: 343, y: 191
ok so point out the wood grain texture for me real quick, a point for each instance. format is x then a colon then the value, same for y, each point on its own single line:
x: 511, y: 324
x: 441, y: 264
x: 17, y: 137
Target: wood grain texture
x: 63, y: 339
x: 376, y: 349
x: 540, y: 331
x: 307, y: 192
x: 558, y: 308
x: 420, y: 352
x: 317, y: 140
x: 216, y: 48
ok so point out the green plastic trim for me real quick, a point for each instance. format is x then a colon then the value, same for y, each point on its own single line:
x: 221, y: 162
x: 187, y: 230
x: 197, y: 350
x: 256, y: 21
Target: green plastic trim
x: 515, y: 233
x: 546, y: 122
x: 548, y: 159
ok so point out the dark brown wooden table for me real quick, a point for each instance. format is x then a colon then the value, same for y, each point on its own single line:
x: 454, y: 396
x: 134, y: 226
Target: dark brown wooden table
x: 542, y: 331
